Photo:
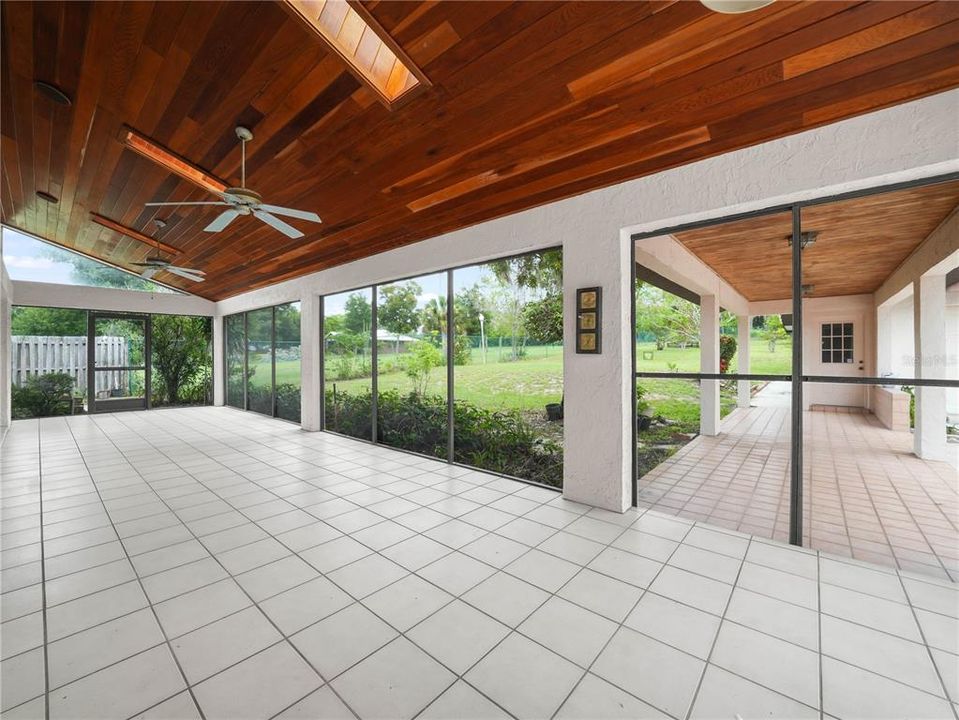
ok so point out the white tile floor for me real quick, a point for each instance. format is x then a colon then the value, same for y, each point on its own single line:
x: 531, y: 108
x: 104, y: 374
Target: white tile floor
x: 212, y: 563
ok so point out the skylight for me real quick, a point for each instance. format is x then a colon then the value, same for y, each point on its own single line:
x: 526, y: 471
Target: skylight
x: 27, y: 258
x: 356, y: 37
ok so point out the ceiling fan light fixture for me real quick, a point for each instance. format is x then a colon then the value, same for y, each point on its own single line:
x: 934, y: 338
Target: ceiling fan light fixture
x: 735, y: 7
x: 52, y: 92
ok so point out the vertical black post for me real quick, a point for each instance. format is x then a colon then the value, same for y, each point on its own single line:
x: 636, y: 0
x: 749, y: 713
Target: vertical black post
x: 374, y: 355
x: 796, y: 446
x: 273, y: 362
x: 450, y: 342
x: 246, y: 351
x: 147, y: 360
x: 321, y: 360
x: 91, y: 359
x: 634, y: 470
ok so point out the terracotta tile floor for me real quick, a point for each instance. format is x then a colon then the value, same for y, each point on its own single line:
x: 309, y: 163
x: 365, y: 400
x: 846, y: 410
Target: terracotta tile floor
x: 866, y: 496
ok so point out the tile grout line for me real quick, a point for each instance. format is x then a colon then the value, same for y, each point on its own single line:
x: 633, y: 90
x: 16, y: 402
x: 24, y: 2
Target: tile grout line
x: 156, y: 618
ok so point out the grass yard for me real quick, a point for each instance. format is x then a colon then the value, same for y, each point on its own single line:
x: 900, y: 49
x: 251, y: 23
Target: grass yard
x: 531, y: 383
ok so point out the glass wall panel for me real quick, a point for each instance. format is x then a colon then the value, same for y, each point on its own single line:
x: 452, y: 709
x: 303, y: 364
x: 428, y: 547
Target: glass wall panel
x: 411, y: 365
x: 48, y: 356
x: 288, y: 361
x: 508, y: 366
x: 348, y: 363
x: 707, y: 449
x: 235, y: 354
x: 881, y: 320
x: 182, y: 360
x: 259, y: 362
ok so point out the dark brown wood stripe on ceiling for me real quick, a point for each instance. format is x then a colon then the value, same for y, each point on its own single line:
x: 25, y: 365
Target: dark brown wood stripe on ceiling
x: 530, y: 103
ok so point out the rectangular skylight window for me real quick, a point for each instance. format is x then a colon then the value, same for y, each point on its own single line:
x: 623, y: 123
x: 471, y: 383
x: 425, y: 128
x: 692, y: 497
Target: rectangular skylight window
x: 352, y: 33
x: 171, y: 161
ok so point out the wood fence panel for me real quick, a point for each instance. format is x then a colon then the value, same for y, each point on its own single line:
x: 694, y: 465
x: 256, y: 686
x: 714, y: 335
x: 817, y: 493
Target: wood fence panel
x: 33, y: 355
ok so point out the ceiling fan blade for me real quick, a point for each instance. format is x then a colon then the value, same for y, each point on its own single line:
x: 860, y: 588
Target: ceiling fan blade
x: 290, y: 212
x: 149, y: 272
x: 187, y: 270
x: 211, y: 202
x: 278, y: 224
x: 182, y: 272
x: 224, y: 219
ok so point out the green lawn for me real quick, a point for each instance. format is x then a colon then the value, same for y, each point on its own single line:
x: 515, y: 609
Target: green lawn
x: 531, y: 383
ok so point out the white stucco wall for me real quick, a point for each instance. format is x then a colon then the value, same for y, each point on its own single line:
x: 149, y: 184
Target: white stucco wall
x: 910, y: 141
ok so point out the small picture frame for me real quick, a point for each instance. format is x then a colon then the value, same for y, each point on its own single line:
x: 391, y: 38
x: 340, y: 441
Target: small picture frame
x: 589, y: 320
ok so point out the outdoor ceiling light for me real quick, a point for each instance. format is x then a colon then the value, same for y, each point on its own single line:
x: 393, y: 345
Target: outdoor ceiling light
x: 165, y: 158
x: 734, y: 7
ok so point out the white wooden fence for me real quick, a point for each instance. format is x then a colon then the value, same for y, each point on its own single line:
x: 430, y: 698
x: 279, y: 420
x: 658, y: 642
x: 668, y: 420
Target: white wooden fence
x: 39, y: 354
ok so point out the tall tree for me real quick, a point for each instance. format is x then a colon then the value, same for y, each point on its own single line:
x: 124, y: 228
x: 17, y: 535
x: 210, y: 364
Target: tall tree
x: 357, y: 314
x: 181, y: 351
x: 396, y: 310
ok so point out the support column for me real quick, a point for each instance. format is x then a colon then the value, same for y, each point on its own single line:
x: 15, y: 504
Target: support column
x: 310, y: 358
x: 219, y: 360
x: 709, y: 363
x: 597, y: 433
x: 743, y: 327
x: 929, y: 306
x: 884, y: 335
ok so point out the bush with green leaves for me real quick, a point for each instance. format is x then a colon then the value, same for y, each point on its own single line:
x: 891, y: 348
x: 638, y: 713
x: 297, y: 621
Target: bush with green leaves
x: 491, y: 440
x: 727, y: 351
x: 42, y: 396
x: 418, y: 364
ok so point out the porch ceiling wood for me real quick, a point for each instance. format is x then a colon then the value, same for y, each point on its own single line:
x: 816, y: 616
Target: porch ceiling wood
x: 859, y: 243
x: 530, y: 102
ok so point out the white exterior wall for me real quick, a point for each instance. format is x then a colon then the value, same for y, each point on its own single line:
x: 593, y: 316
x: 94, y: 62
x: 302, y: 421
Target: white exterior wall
x: 911, y: 141
x: 81, y: 297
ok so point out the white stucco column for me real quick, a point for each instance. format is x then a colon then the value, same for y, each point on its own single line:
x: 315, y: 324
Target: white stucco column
x: 884, y: 337
x: 310, y: 380
x: 929, y: 306
x: 597, y: 437
x: 709, y: 363
x: 742, y: 361
x: 219, y: 360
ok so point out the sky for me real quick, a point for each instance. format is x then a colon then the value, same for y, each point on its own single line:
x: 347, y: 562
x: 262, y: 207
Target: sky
x: 21, y: 255
x: 28, y: 258
x: 433, y: 286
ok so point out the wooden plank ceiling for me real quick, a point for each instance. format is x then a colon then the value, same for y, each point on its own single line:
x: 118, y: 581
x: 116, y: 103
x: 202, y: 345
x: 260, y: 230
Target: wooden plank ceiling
x: 530, y: 102
x: 859, y: 242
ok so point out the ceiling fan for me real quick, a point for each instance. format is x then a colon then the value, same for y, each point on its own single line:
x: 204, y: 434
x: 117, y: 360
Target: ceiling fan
x: 153, y: 264
x: 243, y: 201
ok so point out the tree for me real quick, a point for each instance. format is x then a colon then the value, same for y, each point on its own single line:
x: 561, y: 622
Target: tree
x: 467, y: 307
x: 56, y: 322
x: 536, y: 271
x: 397, y: 309
x: 181, y: 351
x: 358, y: 314
x: 543, y: 319
x: 773, y: 332
x: 434, y: 316
x: 97, y: 274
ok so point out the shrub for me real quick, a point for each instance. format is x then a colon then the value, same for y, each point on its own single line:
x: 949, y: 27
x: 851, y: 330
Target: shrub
x: 727, y: 350
x: 462, y: 350
x: 499, y: 441
x: 418, y: 364
x: 288, y: 401
x: 42, y: 396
